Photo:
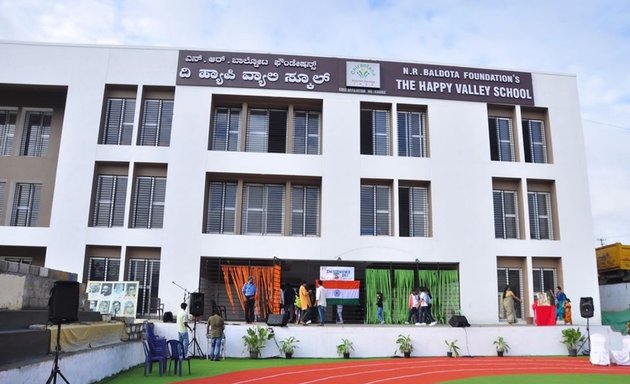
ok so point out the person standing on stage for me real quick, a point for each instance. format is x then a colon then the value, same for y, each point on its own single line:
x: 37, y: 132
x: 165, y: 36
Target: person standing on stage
x: 249, y: 291
x: 379, y: 307
x: 560, y: 299
x: 320, y: 300
x: 289, y: 303
x: 508, y: 304
x: 182, y: 326
x: 305, y: 302
x: 214, y: 331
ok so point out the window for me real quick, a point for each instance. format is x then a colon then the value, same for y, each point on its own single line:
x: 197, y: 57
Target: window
x: 514, y: 278
x: 103, y: 269
x: 540, y: 221
x: 263, y: 209
x: 306, y: 132
x: 221, y: 214
x: 2, y: 188
x: 413, y: 210
x: 534, y: 141
x: 7, y: 131
x: 411, y: 134
x: 501, y: 139
x: 225, y: 136
x: 26, y: 205
x: 266, y: 131
x: 149, y: 196
x: 506, y: 221
x: 544, y: 279
x: 375, y: 132
x: 375, y: 210
x: 118, y: 128
x: 109, y: 202
x: 305, y: 210
x: 36, y: 134
x: 147, y: 273
x: 157, y: 120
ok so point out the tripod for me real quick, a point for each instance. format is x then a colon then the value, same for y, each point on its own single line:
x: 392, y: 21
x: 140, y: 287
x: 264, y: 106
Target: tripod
x: 588, y: 338
x: 56, y: 370
x: 194, y: 344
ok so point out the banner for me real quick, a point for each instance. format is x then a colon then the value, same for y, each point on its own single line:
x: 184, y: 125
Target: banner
x: 342, y: 292
x: 336, y: 273
x: 118, y: 298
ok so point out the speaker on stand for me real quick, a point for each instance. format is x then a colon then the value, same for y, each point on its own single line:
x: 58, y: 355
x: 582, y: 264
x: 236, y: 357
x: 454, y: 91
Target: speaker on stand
x: 63, y: 308
x: 586, y: 311
x: 196, y: 310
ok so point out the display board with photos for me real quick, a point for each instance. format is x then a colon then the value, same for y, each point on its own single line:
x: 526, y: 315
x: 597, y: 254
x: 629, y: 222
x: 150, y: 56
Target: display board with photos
x: 118, y: 298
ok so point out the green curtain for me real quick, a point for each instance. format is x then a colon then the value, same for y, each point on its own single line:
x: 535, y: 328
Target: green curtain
x: 403, y: 279
x: 444, y: 288
x: 377, y: 280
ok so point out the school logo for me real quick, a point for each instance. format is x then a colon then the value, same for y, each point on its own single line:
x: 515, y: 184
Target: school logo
x: 363, y: 75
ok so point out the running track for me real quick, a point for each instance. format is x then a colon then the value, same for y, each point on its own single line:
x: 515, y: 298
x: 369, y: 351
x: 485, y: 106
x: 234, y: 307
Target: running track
x: 425, y: 370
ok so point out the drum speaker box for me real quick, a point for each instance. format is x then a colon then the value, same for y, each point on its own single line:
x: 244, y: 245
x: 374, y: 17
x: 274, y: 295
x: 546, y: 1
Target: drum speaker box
x: 280, y: 320
x: 586, y: 307
x: 196, y: 304
x: 63, y: 304
x: 459, y: 321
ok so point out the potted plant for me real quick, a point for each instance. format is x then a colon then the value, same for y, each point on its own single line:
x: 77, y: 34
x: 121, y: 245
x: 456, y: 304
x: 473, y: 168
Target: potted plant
x: 344, y: 348
x: 502, y: 346
x: 255, y: 340
x: 404, y: 345
x: 571, y: 337
x: 453, y: 348
x: 287, y: 346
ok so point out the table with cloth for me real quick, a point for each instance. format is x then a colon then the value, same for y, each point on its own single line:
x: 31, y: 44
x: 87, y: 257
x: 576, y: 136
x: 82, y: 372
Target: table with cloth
x: 80, y: 336
x: 545, y: 315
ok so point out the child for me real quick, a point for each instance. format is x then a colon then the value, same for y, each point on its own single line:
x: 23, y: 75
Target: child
x: 567, y: 312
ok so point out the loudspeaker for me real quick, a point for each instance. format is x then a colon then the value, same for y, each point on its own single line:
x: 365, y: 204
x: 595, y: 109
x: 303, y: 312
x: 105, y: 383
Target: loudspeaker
x: 586, y: 307
x: 196, y: 303
x: 280, y: 320
x: 63, y: 304
x: 168, y: 317
x: 459, y: 321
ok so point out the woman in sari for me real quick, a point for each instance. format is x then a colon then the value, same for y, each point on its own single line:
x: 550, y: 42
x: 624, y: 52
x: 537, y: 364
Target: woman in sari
x: 508, y: 304
x: 560, y: 298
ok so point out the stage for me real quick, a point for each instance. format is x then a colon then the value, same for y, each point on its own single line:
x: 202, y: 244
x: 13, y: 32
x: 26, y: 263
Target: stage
x: 380, y: 340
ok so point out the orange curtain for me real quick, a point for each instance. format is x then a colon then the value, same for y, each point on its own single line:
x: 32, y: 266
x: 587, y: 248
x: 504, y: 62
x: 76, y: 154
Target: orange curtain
x: 267, y: 281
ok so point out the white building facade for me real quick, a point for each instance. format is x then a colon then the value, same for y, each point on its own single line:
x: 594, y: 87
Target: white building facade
x: 145, y: 164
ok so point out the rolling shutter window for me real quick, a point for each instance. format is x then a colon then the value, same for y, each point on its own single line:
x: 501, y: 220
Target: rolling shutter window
x: 506, y: 222
x: 36, y: 134
x: 157, y: 121
x: 544, y: 279
x: 306, y: 133
x: 411, y: 134
x: 147, y: 273
x: 413, y: 211
x: 109, y: 202
x: 534, y: 141
x: 2, y: 188
x: 26, y: 205
x: 375, y: 210
x: 149, y: 202
x: 540, y: 221
x: 264, y: 209
x: 103, y: 269
x: 305, y: 201
x: 221, y: 216
x: 118, y: 128
x: 267, y: 131
x: 514, y: 278
x: 7, y: 131
x: 501, y: 139
x: 225, y: 134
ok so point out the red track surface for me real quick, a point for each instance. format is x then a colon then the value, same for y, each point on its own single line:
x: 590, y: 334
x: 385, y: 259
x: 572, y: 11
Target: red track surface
x: 414, y: 370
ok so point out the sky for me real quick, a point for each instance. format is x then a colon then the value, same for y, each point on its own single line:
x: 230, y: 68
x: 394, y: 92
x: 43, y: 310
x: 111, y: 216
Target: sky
x: 586, y: 38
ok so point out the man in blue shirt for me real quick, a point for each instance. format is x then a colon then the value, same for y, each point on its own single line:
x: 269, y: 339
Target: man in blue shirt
x: 249, y: 291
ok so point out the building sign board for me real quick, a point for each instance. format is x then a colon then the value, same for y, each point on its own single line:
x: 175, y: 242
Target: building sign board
x: 325, y: 74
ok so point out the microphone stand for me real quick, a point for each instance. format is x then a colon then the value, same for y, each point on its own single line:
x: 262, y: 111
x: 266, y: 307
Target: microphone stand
x: 186, y: 293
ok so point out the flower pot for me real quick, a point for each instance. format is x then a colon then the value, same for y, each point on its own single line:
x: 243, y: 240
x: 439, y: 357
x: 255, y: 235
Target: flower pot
x: 346, y: 355
x: 449, y: 354
x: 529, y: 320
x: 253, y: 354
x: 573, y: 352
x: 500, y: 353
x: 288, y: 355
x: 407, y: 354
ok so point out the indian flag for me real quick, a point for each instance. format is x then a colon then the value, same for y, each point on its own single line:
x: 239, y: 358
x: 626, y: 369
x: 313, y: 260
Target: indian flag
x: 342, y: 292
